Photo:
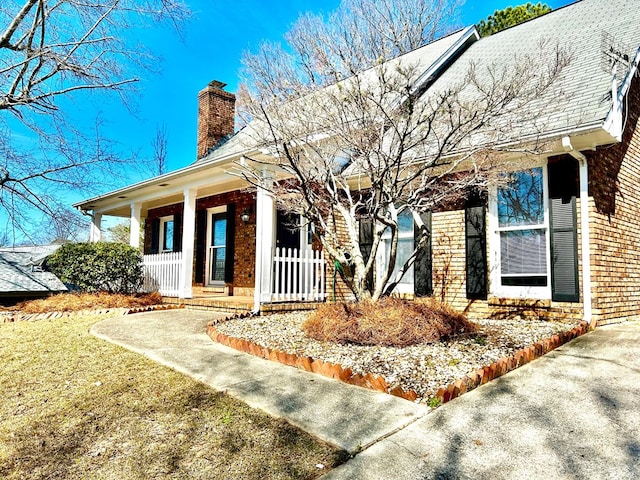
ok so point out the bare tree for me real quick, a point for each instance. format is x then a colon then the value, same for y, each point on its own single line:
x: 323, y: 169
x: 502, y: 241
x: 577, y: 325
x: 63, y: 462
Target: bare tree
x: 51, y: 53
x: 159, y: 144
x: 372, y: 145
x: 67, y: 225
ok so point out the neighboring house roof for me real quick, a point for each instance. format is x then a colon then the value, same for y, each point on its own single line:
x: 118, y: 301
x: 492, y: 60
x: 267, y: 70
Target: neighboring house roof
x: 21, y: 271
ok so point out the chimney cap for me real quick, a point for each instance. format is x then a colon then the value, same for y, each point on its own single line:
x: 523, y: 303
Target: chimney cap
x: 217, y: 84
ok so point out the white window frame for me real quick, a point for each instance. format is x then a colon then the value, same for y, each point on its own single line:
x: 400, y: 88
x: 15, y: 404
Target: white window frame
x: 163, y: 228
x: 406, y: 285
x: 496, y: 289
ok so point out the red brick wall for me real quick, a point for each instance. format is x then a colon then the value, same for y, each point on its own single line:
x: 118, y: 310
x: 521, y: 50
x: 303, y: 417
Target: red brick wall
x: 614, y: 187
x: 244, y: 255
x: 245, y: 233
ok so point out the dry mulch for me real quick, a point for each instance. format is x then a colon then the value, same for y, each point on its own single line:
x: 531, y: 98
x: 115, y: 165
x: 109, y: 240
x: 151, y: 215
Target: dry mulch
x: 75, y: 302
x: 424, y: 367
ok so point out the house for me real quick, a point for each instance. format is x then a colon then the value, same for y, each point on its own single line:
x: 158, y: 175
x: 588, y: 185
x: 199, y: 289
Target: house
x: 23, y: 276
x: 570, y: 249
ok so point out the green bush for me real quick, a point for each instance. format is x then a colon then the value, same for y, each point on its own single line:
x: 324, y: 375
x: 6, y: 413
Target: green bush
x: 98, y: 267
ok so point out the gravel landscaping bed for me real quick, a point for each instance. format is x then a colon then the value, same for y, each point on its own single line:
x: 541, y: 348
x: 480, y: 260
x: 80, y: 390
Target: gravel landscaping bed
x: 423, y: 368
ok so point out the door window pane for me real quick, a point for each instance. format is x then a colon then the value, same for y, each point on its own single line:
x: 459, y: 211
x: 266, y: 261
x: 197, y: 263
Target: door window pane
x: 219, y: 232
x: 218, y: 248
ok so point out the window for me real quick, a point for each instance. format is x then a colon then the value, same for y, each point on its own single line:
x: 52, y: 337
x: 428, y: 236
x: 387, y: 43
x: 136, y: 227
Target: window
x: 405, y: 249
x: 166, y: 234
x: 522, y: 231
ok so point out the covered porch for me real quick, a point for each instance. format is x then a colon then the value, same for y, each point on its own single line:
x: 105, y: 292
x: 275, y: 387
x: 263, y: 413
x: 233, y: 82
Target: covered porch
x: 218, y: 244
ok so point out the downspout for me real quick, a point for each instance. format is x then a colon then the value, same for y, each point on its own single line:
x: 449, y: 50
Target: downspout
x: 584, y: 226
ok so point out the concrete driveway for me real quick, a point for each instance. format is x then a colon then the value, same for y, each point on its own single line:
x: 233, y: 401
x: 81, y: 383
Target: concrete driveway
x: 573, y: 414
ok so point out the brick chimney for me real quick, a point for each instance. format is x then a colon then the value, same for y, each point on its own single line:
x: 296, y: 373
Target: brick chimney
x: 216, y: 116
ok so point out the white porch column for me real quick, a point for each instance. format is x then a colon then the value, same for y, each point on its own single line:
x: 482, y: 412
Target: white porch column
x: 134, y: 228
x: 94, y: 230
x: 265, y: 241
x: 188, y: 238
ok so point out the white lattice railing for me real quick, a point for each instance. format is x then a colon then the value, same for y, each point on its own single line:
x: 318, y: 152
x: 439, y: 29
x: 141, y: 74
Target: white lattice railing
x: 162, y: 273
x: 298, y: 276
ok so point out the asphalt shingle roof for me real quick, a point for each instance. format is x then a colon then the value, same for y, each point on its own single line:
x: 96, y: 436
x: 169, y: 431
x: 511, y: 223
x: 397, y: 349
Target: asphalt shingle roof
x: 423, y: 58
x: 19, y: 272
x: 585, y: 87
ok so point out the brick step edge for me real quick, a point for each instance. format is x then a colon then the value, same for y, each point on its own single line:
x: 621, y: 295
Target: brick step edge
x: 326, y: 369
x: 455, y: 389
x: 32, y: 317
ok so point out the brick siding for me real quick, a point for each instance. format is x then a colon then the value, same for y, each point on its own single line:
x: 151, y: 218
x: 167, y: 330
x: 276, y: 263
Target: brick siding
x: 614, y: 187
x: 216, y: 116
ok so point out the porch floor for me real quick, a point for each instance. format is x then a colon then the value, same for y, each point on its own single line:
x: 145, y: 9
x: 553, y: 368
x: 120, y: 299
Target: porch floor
x: 236, y: 304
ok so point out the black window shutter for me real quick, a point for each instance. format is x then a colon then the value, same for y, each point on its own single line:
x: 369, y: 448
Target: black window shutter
x: 201, y: 239
x: 177, y: 232
x: 229, y: 253
x: 155, y: 236
x: 366, y: 243
x: 564, y: 243
x: 422, y: 269
x: 476, y: 252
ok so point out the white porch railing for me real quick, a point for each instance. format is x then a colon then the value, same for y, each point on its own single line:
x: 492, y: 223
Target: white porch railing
x: 298, y: 276
x: 162, y: 273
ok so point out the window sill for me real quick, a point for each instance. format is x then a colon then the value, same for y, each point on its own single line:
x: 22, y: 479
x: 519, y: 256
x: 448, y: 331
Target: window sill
x: 519, y: 302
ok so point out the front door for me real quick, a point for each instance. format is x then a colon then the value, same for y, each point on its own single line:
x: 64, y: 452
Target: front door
x: 217, y: 246
x: 288, y: 230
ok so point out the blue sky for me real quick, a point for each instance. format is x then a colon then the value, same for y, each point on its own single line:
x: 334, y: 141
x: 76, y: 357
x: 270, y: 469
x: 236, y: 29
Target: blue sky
x: 211, y: 47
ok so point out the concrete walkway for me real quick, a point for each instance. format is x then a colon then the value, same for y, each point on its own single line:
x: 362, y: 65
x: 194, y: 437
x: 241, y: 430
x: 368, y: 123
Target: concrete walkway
x: 349, y: 417
x: 574, y: 414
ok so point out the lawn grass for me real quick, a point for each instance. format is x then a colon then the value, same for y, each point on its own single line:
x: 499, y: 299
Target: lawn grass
x: 75, y: 407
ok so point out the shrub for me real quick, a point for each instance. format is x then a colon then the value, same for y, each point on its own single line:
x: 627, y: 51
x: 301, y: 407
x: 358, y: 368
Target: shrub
x: 98, y: 267
x: 388, y: 322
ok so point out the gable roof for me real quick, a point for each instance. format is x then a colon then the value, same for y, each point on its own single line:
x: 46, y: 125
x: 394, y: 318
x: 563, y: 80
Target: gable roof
x: 429, y: 61
x: 20, y: 271
x: 581, y: 98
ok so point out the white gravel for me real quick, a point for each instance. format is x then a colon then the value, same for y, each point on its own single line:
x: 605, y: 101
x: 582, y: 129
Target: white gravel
x: 423, y: 368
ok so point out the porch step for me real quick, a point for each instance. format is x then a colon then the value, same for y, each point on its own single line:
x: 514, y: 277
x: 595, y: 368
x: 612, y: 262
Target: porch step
x: 222, y: 304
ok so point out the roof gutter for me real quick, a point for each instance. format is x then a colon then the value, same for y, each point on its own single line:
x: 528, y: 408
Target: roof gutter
x: 584, y: 227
